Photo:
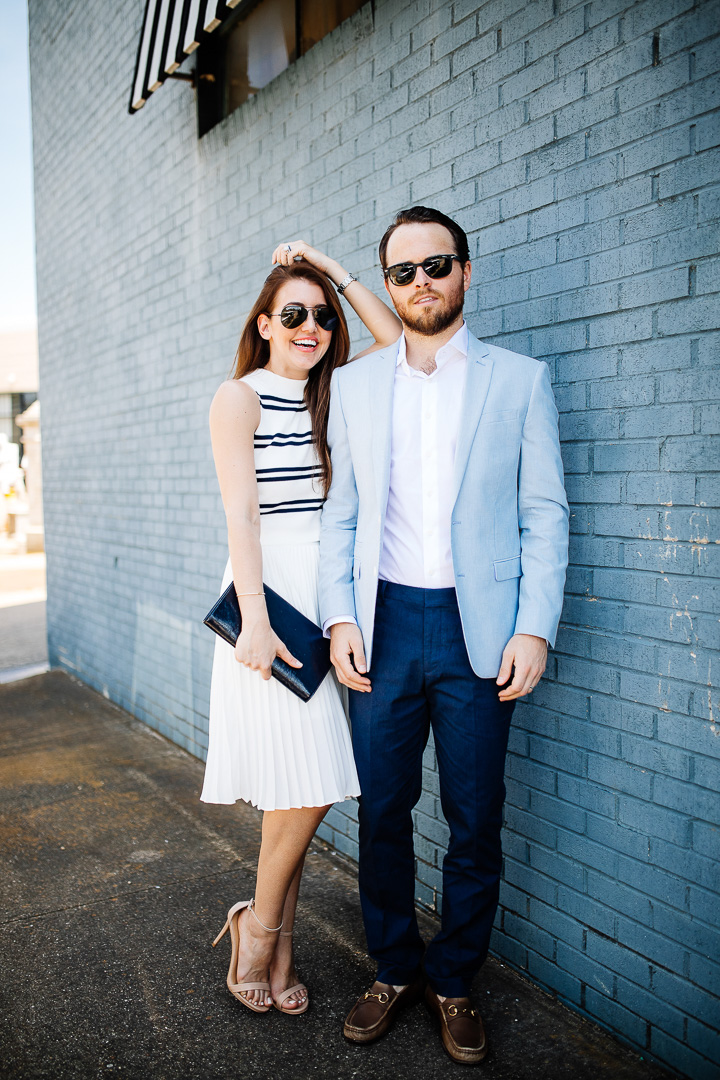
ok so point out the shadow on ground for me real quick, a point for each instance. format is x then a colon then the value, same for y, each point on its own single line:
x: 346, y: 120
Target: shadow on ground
x: 116, y: 881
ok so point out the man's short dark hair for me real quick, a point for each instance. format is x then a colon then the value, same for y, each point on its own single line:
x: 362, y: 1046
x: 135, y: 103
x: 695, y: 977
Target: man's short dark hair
x: 425, y: 215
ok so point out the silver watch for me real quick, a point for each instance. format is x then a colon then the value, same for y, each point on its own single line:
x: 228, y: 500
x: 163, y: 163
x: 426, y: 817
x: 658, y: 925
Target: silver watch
x: 345, y: 282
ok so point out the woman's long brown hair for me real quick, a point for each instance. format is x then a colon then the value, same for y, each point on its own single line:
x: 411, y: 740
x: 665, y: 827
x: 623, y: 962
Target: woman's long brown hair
x: 254, y: 351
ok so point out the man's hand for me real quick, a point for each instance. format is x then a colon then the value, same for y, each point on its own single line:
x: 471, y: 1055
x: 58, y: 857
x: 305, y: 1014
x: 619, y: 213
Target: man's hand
x: 529, y: 655
x: 348, y: 656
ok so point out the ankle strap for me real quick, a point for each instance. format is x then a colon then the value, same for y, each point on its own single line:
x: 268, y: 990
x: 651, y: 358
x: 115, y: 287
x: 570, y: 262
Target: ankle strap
x: 269, y: 929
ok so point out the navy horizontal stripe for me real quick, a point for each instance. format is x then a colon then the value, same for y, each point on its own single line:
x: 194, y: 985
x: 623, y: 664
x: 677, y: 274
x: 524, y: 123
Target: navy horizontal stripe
x: 286, y: 502
x: 286, y: 479
x: 284, y: 400
x: 291, y: 469
x: 293, y: 510
x: 285, y: 405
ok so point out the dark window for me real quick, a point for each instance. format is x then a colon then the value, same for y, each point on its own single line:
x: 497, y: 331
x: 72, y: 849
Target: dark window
x: 254, y: 46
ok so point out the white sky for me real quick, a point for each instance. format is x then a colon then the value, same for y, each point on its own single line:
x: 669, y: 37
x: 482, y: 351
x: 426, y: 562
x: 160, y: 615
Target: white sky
x: 17, y: 237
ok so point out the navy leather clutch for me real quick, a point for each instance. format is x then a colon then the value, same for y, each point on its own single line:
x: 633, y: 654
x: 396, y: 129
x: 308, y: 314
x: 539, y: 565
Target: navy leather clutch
x: 302, y: 637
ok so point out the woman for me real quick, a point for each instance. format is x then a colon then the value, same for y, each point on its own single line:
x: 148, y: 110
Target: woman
x: 292, y: 760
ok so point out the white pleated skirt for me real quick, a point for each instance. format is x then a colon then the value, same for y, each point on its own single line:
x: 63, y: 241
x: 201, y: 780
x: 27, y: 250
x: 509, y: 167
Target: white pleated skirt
x: 266, y: 745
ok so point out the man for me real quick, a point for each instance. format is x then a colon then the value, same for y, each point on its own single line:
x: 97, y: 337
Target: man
x: 442, y: 565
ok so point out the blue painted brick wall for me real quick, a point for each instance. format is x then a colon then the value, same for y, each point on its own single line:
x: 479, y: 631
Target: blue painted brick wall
x: 579, y: 145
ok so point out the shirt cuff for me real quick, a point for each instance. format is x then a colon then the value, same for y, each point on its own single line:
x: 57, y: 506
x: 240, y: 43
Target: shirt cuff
x: 336, y: 619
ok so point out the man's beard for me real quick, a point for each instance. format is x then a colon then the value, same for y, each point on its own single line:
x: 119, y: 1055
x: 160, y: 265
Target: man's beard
x: 433, y: 318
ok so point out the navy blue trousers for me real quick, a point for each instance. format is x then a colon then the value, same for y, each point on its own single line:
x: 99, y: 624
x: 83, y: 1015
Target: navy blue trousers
x: 421, y: 678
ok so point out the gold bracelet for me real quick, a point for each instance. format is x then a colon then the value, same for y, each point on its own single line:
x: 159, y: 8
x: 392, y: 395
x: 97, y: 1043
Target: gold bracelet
x: 261, y: 593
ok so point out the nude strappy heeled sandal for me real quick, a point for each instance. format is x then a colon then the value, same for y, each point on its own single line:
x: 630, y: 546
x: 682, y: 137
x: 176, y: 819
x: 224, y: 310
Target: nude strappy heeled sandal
x: 231, y: 924
x: 279, y: 1001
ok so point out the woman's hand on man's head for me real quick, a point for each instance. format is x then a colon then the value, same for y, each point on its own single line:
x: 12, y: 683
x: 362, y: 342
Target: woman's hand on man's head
x: 286, y: 253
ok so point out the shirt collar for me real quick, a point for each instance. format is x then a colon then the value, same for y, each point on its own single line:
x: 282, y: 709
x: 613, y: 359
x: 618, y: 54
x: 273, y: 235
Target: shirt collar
x: 457, y: 346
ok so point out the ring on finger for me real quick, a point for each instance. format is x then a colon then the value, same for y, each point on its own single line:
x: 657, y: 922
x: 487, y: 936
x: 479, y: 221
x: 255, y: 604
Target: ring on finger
x: 288, y: 247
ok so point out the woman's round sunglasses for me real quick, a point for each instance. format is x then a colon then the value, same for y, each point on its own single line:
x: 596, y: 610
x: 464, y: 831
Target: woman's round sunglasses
x: 436, y: 266
x: 294, y: 315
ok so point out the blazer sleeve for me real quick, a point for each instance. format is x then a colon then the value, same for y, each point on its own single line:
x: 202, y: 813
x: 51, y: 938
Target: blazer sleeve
x: 542, y: 516
x: 339, y: 519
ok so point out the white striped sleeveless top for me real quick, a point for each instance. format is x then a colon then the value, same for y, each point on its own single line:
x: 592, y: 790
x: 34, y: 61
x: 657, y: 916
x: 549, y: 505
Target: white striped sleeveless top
x: 286, y: 463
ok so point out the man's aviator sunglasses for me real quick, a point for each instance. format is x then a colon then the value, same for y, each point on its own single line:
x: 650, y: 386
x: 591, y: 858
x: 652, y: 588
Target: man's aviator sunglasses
x: 294, y: 315
x: 436, y: 266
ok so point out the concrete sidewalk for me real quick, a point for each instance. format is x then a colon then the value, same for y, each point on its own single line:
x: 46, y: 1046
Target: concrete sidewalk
x: 115, y: 881
x: 23, y: 637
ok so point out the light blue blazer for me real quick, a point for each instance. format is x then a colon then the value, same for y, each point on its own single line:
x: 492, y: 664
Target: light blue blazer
x: 509, y: 525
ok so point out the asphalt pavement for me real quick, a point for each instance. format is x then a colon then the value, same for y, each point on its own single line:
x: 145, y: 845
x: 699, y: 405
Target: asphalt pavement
x: 115, y: 881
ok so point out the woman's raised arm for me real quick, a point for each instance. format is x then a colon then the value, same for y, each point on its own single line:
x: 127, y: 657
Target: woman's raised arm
x: 379, y: 319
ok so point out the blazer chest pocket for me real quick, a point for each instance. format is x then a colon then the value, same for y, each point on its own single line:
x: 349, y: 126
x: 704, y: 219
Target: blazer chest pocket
x: 507, y: 568
x: 502, y: 417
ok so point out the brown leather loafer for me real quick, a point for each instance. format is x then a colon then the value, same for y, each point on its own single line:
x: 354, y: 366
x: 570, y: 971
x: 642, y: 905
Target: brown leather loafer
x: 376, y: 1010
x: 461, y: 1028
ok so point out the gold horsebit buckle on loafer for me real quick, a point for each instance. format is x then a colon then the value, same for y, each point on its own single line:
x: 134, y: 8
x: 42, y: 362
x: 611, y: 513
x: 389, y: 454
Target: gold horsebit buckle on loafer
x: 452, y: 1010
x: 383, y: 998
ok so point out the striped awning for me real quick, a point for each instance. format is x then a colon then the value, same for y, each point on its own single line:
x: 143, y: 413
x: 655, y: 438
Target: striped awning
x: 171, y: 30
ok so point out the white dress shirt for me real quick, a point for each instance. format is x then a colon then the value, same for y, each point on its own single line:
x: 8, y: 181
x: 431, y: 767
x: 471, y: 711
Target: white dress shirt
x: 426, y: 415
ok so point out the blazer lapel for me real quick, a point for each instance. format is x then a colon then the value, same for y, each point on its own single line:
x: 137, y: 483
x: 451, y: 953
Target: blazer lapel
x: 477, y: 384
x: 381, y: 381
